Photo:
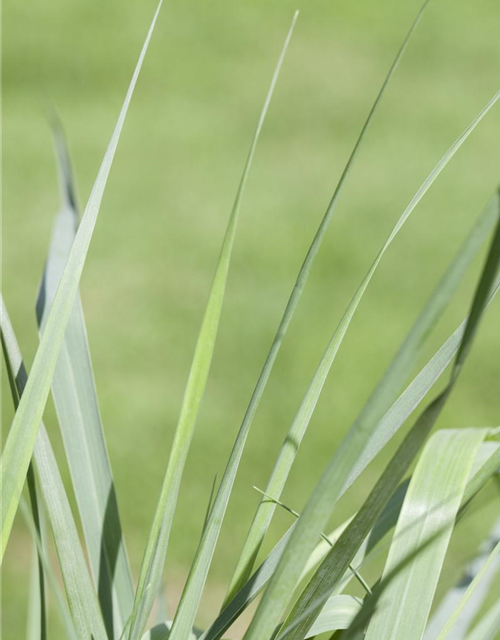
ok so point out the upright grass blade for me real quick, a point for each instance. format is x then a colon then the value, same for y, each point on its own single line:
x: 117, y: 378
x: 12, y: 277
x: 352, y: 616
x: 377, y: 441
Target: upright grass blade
x: 486, y: 564
x: 82, y: 599
x: 49, y: 572
x: 328, y: 489
x: 384, y: 524
x: 307, y: 607
x: 37, y: 611
x: 154, y: 556
x: 191, y: 595
x: 293, y: 439
x: 21, y: 438
x: 247, y: 560
x: 429, y: 511
x: 75, y: 398
x: 35, y: 623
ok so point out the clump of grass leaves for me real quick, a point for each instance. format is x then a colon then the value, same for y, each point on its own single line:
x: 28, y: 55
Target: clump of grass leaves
x: 303, y: 582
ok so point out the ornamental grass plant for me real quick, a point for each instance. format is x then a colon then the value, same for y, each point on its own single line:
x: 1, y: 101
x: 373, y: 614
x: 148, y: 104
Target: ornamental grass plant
x: 312, y: 583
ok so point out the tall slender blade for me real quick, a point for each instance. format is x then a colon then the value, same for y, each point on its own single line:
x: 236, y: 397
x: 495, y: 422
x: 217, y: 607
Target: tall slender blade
x: 191, y: 595
x: 82, y: 599
x: 246, y: 562
x: 52, y: 579
x: 18, y: 449
x: 154, y: 556
x: 383, y: 432
x: 393, y: 419
x: 36, y: 626
x: 75, y: 399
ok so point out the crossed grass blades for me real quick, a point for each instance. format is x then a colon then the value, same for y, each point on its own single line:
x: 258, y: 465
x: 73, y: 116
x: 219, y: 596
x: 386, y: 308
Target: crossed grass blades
x: 304, y: 580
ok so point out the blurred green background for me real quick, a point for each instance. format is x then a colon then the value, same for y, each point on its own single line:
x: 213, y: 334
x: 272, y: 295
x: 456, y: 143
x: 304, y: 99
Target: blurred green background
x: 166, y: 207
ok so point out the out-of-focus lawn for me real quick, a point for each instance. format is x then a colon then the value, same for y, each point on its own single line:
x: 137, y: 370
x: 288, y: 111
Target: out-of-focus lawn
x: 167, y: 203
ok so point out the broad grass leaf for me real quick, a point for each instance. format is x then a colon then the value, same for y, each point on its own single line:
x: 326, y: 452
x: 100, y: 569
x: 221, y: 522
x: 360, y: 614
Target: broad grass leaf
x: 429, y: 511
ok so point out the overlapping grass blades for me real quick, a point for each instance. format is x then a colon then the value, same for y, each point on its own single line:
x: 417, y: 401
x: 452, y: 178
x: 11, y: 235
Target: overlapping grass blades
x: 154, y: 556
x: 307, y: 607
x: 75, y: 398
x: 385, y: 429
x: 82, y: 599
x: 426, y: 507
x: 18, y: 449
x: 252, y: 545
x: 392, y: 420
x: 429, y: 511
x: 353, y: 448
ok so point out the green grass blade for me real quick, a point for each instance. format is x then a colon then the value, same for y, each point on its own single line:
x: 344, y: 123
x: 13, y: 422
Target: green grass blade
x: 82, y: 598
x: 35, y: 624
x: 246, y: 562
x: 469, y: 593
x: 371, y: 546
x: 18, y: 449
x: 37, y: 603
x: 383, y: 525
x: 307, y: 607
x: 75, y: 399
x: 429, y: 511
x: 49, y: 572
x: 260, y: 578
x: 457, y: 603
x: 154, y: 556
x: 248, y: 592
x: 387, y: 427
x: 324, y: 496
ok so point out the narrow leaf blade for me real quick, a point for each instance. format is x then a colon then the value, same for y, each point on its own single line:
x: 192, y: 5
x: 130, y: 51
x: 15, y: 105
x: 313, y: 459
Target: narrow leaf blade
x: 18, y: 449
